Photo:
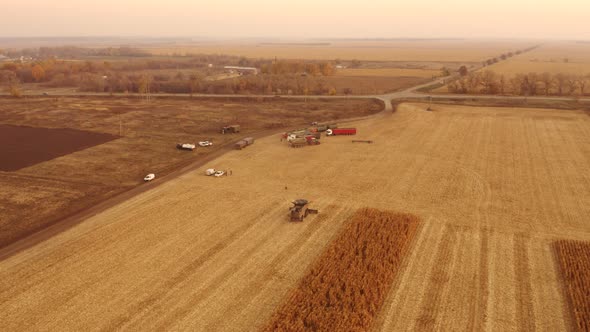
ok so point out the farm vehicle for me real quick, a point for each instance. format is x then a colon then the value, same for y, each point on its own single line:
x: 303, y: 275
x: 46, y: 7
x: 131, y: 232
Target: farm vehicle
x: 325, y: 126
x: 205, y: 143
x: 341, y: 131
x: 233, y: 129
x: 290, y: 136
x: 300, y: 210
x: 244, y: 143
x: 214, y: 172
x: 185, y: 146
x: 303, y: 141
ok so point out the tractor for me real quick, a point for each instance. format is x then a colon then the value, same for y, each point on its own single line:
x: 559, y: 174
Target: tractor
x: 300, y: 210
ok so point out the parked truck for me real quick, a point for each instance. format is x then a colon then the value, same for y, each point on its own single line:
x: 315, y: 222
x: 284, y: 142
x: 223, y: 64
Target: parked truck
x: 185, y: 146
x: 233, y: 129
x: 341, y: 131
x: 244, y: 143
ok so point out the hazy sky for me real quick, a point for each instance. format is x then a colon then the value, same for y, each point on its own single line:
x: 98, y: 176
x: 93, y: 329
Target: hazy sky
x: 299, y: 18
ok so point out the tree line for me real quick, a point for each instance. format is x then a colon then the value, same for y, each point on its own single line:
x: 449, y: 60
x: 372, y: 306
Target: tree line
x: 195, y: 83
x: 171, y: 75
x: 507, y: 55
x: 531, y: 84
x: 283, y: 67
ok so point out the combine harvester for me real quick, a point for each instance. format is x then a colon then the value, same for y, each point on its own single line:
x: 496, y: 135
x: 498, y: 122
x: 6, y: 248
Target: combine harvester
x: 304, y: 141
x: 300, y: 210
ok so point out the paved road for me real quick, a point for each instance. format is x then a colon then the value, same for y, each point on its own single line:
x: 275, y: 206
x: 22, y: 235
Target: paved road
x: 406, y: 94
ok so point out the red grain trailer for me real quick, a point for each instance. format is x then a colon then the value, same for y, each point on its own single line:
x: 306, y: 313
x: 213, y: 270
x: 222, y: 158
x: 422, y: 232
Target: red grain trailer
x: 341, y: 131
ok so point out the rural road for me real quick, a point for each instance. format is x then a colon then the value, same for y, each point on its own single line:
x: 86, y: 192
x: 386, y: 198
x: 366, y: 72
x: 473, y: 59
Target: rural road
x: 406, y: 94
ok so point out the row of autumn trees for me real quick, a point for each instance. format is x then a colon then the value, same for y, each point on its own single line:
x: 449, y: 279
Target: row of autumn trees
x: 195, y: 84
x: 172, y: 76
x: 46, y: 70
x: 531, y: 84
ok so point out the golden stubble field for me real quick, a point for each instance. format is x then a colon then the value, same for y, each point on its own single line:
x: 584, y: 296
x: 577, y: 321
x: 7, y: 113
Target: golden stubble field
x: 493, y: 186
x: 550, y: 58
x: 36, y: 196
x: 443, y: 50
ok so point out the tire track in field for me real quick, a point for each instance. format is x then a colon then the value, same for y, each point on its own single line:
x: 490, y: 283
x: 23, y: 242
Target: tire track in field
x: 525, y: 314
x: 253, y: 290
x: 422, y: 159
x: 207, y: 292
x: 439, y: 281
x: 558, y: 208
x: 571, y: 181
x: 478, y: 311
x: 407, y: 287
x: 170, y: 284
x: 178, y: 313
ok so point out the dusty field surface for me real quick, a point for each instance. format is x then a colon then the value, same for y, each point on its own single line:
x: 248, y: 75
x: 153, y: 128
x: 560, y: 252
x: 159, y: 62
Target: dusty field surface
x: 36, y: 196
x: 550, y: 58
x: 388, y: 72
x: 27, y: 146
x: 494, y: 188
x: 371, y: 85
x: 400, y: 50
x: 378, y: 80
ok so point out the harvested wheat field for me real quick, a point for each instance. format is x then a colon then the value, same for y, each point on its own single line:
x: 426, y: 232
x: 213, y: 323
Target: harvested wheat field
x: 570, y: 58
x: 54, y: 163
x: 445, y: 50
x: 493, y: 187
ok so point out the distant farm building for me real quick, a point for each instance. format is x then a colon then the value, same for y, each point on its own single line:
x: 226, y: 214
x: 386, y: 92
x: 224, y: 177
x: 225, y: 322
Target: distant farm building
x: 242, y: 70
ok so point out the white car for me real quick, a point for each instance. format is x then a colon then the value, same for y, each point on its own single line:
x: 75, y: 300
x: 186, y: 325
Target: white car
x: 205, y: 143
x: 219, y: 173
x: 149, y: 177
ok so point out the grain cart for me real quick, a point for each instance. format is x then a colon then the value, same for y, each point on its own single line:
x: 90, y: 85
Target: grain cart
x: 299, y: 210
x: 341, y: 131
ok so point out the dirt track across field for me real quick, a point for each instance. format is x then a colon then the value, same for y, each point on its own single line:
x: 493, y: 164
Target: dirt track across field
x: 494, y: 187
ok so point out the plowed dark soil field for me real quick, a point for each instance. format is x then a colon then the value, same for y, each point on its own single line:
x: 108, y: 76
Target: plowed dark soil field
x: 26, y: 146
